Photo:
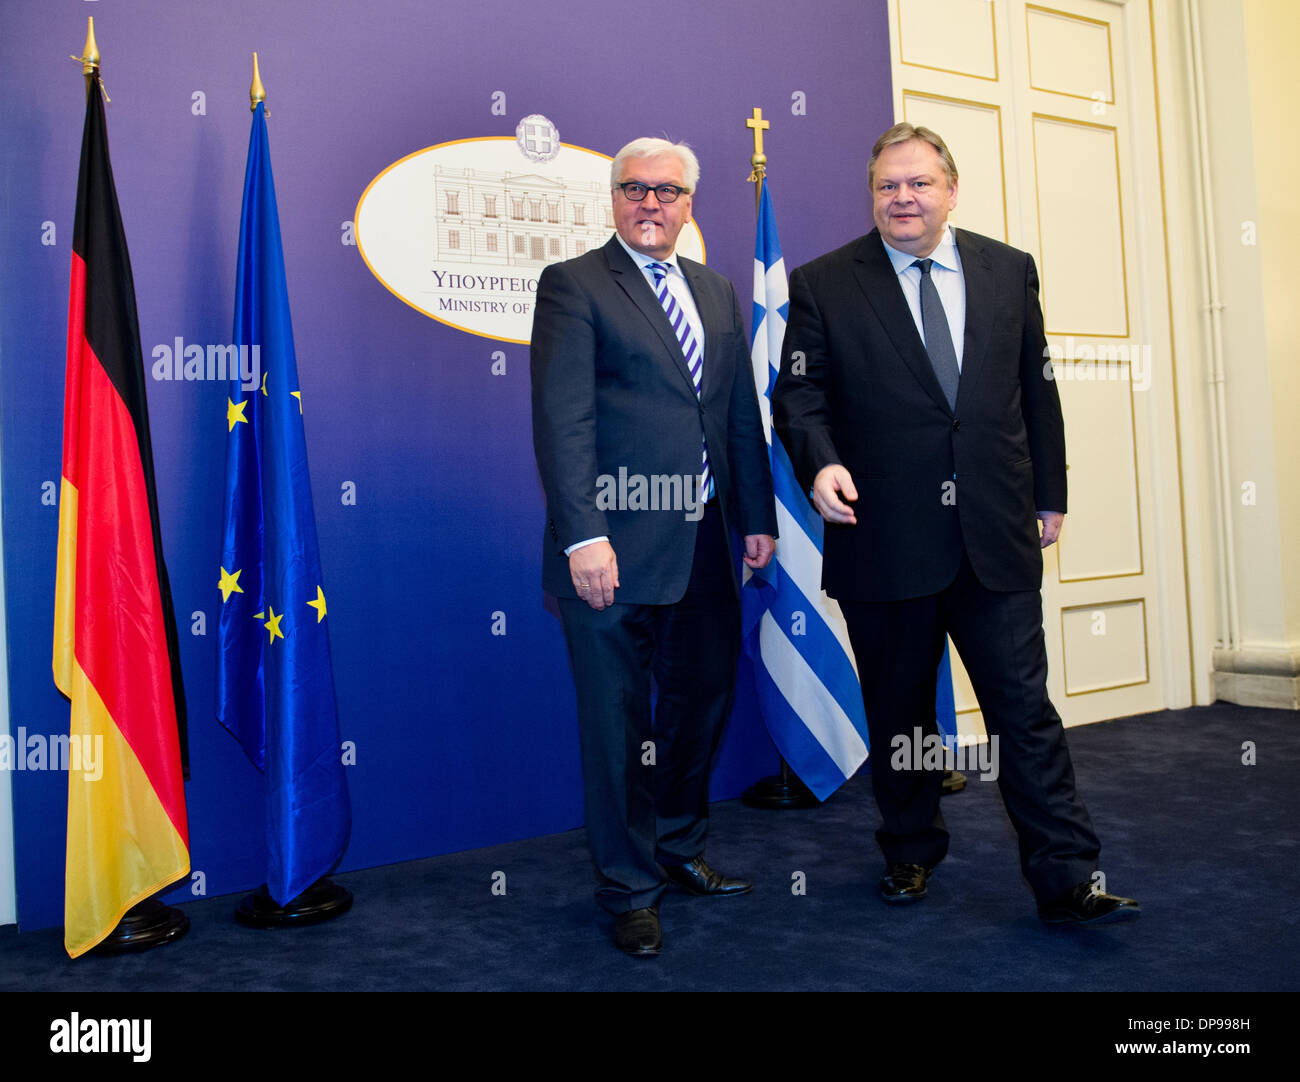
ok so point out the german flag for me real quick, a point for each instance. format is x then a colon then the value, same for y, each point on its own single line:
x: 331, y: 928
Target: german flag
x: 114, y: 630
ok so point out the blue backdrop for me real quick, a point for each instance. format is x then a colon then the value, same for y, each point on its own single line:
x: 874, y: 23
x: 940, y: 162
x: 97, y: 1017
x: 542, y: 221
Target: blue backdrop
x: 462, y: 737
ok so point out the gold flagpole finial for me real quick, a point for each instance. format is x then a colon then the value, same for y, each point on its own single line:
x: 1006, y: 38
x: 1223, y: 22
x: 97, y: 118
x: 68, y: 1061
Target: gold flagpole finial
x: 256, y: 92
x: 90, y: 52
x: 757, y: 160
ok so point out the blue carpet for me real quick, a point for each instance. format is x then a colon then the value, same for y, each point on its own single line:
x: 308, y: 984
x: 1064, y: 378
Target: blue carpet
x: 1207, y: 844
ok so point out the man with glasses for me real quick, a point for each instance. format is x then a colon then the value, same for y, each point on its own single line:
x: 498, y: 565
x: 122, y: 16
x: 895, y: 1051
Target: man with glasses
x: 651, y: 452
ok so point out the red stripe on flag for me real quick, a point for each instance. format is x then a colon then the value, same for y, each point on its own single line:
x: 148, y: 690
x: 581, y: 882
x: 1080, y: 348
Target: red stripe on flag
x: 72, y: 381
x: 120, y: 639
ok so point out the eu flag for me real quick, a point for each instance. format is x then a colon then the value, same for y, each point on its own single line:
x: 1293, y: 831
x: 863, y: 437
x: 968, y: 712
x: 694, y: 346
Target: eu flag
x: 275, y: 686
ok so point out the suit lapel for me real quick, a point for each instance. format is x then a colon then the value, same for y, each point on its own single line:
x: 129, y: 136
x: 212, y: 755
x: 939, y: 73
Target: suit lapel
x: 980, y: 301
x: 877, y: 278
x: 633, y: 283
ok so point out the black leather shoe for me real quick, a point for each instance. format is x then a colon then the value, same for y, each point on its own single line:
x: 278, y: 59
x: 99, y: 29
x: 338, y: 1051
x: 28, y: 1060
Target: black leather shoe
x: 637, y: 932
x: 698, y: 878
x: 1084, y: 905
x: 904, y: 883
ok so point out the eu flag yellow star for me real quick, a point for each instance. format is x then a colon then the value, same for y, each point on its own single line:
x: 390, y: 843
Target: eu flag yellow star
x: 319, y: 604
x: 235, y: 414
x: 229, y: 584
x: 272, y: 622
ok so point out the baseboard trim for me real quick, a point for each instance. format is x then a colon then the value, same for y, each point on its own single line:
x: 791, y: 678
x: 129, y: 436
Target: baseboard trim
x: 1267, y: 676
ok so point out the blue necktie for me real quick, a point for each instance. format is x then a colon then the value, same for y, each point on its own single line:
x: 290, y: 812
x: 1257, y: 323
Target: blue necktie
x: 938, y: 337
x: 690, y: 350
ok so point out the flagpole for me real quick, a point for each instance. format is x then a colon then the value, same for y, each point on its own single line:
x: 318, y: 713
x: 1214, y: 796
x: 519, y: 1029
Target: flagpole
x: 90, y: 53
x: 149, y: 923
x: 324, y: 899
x: 783, y: 791
x: 788, y: 790
x: 757, y: 160
x: 256, y: 92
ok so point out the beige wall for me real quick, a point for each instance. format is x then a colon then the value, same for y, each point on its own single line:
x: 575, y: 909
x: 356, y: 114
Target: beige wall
x: 1272, y: 34
x: 1250, y: 55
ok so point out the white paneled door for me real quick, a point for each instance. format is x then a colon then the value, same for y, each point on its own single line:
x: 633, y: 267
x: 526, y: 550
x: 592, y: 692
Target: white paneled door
x: 1050, y: 114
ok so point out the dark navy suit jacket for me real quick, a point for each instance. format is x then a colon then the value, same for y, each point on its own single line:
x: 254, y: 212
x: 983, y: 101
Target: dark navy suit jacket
x: 611, y: 391
x: 856, y: 388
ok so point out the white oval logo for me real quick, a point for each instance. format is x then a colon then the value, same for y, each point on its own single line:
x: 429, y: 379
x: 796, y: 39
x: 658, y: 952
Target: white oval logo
x: 460, y: 231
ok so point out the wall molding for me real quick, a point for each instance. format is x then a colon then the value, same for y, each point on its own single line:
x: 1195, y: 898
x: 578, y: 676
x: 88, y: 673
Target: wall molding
x: 1258, y: 676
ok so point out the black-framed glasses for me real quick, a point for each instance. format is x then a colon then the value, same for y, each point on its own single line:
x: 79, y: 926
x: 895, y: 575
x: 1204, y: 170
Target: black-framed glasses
x: 664, y: 193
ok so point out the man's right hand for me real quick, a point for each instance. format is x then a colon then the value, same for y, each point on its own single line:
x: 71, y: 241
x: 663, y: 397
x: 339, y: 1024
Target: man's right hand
x: 594, y: 572
x: 831, y: 487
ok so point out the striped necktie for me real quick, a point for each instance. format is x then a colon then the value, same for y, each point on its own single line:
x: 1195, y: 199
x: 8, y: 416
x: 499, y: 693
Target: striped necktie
x: 690, y: 350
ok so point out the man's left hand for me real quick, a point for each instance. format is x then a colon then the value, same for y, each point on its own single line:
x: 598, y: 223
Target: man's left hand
x: 1051, y: 521
x: 758, y: 550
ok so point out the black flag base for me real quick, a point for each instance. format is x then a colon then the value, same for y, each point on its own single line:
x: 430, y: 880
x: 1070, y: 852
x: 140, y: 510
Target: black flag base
x: 146, y: 925
x: 954, y: 781
x: 779, y: 792
x: 323, y: 900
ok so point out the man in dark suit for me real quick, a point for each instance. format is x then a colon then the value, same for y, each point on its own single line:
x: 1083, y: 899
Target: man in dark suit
x: 651, y: 452
x: 919, y: 410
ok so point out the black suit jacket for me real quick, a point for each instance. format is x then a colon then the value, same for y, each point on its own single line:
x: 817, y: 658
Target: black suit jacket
x: 856, y: 388
x: 611, y: 392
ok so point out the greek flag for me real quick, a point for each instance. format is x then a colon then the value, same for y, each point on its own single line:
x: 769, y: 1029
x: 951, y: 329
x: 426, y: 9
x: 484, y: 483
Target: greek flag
x: 794, y: 634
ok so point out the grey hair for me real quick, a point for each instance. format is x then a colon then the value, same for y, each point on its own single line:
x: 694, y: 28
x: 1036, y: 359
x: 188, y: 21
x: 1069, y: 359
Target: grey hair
x: 656, y: 148
x: 905, y: 133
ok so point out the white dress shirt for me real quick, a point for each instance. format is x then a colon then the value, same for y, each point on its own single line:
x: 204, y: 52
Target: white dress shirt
x: 676, y: 286
x: 946, y: 274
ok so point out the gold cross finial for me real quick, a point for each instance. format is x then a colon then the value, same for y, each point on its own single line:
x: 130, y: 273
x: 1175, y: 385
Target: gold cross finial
x: 759, y: 125
x: 757, y: 160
